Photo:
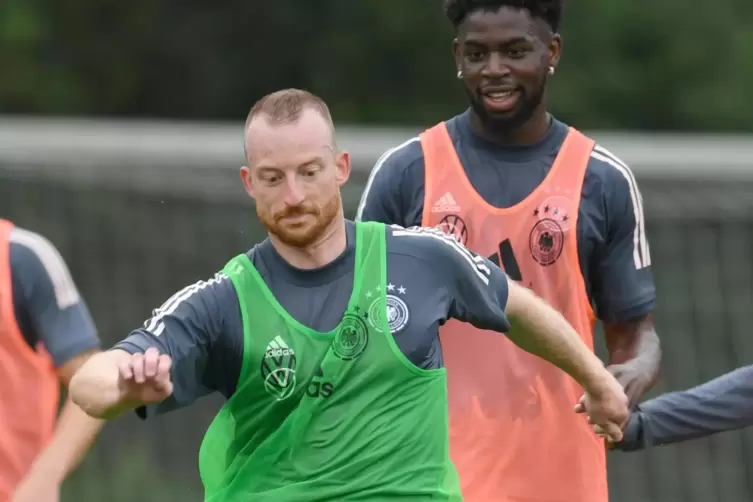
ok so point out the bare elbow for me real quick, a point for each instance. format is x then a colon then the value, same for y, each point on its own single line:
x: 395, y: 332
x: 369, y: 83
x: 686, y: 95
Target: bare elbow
x: 82, y: 394
x: 94, y: 387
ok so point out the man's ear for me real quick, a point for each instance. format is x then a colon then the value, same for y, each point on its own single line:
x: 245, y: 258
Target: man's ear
x: 247, y: 180
x: 343, y: 168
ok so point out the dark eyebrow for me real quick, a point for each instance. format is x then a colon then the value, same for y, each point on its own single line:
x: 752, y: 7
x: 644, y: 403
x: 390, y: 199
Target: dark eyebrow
x: 520, y: 40
x: 505, y: 43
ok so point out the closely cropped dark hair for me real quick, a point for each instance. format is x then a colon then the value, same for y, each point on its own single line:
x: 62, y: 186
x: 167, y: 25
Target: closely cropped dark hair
x: 548, y: 10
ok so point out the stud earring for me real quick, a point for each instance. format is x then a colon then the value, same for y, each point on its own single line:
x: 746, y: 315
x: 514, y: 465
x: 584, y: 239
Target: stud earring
x: 551, y: 70
x: 460, y: 74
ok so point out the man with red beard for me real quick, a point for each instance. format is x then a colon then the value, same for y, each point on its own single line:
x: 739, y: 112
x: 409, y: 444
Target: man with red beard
x: 324, y: 338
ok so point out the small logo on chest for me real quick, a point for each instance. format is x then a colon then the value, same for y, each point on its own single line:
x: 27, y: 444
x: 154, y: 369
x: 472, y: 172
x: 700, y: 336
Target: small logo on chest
x: 547, y: 238
x: 454, y: 226
x: 396, y: 311
x: 278, y: 369
x: 352, y: 337
x: 445, y: 204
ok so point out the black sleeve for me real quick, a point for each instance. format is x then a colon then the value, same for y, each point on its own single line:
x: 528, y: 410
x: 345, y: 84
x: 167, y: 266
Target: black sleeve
x: 620, y: 275
x: 478, y: 301
x: 723, y: 404
x: 394, y: 192
x: 46, y: 300
x: 188, y: 327
x: 478, y: 289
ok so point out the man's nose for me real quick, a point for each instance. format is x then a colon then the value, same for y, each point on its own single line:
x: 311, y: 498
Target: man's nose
x: 496, y: 66
x: 293, y: 192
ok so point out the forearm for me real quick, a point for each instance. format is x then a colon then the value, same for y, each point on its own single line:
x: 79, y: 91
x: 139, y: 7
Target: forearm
x: 635, y: 343
x: 96, y: 387
x: 539, y: 329
x: 723, y: 404
x: 74, y: 434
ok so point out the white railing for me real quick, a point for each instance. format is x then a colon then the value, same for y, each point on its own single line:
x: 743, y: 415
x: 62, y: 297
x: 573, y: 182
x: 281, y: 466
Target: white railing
x: 79, y: 143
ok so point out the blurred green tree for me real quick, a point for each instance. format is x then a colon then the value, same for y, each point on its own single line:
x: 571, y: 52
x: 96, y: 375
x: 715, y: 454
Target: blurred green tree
x: 653, y: 65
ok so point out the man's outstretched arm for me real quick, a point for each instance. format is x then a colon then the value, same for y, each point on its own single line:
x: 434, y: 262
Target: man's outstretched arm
x: 181, y: 331
x: 115, y: 381
x: 722, y: 404
x: 485, y: 297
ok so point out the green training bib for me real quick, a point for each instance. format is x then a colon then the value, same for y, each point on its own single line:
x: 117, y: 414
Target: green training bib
x: 338, y: 416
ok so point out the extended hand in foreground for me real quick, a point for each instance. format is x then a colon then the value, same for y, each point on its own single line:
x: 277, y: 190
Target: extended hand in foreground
x: 607, y: 410
x: 145, y: 378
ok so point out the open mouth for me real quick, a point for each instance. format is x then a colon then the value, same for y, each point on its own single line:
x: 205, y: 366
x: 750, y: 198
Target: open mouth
x: 500, y: 100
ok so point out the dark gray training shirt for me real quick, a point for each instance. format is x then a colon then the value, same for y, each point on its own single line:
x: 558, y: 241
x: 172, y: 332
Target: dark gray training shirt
x: 722, y: 404
x: 47, y: 305
x: 613, y: 251
x: 430, y: 278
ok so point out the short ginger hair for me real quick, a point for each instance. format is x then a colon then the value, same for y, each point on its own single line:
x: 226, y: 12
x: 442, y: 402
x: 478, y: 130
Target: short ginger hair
x: 286, y: 106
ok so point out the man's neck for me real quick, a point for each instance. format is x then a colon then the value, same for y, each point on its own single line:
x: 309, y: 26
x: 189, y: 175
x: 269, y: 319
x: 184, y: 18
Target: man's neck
x: 332, y: 243
x: 527, y: 134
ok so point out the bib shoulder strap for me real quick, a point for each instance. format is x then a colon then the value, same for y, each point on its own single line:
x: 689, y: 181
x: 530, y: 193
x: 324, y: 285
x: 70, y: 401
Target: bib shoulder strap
x: 575, y: 154
x: 438, y: 148
x: 441, y: 164
x: 237, y: 265
x: 6, y: 301
x: 5, y: 228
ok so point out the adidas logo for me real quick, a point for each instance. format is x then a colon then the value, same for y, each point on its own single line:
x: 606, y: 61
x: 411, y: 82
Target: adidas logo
x: 445, y: 204
x: 278, y: 348
x: 278, y: 369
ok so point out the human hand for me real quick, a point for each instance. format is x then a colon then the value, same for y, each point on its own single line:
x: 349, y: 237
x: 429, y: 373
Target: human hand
x: 145, y: 378
x: 634, y: 379
x: 606, y: 408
